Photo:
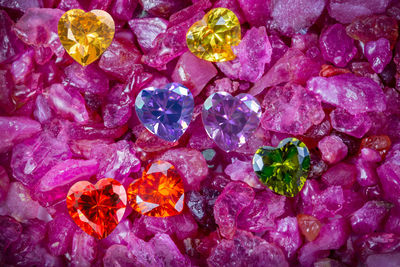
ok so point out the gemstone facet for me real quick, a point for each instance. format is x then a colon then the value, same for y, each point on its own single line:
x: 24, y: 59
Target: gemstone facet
x: 283, y: 169
x: 159, y: 193
x: 85, y: 36
x: 231, y: 121
x: 165, y: 112
x: 97, y: 209
x: 212, y: 37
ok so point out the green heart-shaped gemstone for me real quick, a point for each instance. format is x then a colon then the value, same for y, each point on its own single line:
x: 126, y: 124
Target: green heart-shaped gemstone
x: 284, y: 169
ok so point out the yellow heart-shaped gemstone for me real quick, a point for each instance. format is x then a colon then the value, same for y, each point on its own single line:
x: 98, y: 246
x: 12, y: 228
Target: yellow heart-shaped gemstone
x: 85, y: 36
x: 212, y: 37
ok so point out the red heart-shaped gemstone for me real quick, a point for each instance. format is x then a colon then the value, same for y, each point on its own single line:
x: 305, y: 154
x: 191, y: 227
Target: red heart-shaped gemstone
x: 159, y: 193
x: 97, y: 209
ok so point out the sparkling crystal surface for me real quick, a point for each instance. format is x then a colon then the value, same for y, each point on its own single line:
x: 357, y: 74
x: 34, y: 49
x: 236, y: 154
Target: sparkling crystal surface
x: 159, y: 193
x: 231, y: 121
x: 85, y: 36
x: 97, y: 209
x: 166, y: 112
x: 212, y: 37
x: 283, y: 169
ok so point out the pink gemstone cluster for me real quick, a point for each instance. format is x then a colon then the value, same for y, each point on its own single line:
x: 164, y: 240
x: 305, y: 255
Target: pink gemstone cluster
x: 324, y: 71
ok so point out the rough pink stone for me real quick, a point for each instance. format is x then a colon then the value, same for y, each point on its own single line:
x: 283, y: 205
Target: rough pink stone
x: 293, y: 66
x: 321, y: 203
x: 146, y: 31
x: 42, y: 112
x: 117, y: 160
x: 332, y: 236
x: 194, y: 73
x: 303, y: 42
x: 369, y: 217
x: 119, y: 58
x: 260, y: 215
x: 4, y: 184
x: 256, y: 12
x: 22, y: 68
x: 68, y: 103
x: 92, y: 131
x: 163, y: 8
x: 89, y: 79
x: 20, y: 5
x: 32, y: 158
x: 392, y: 224
x: 376, y: 243
x: 389, y: 175
x: 149, y: 142
x: 118, y: 109
x: 350, y: 92
x: 332, y: 149
x: 60, y: 231
x: 123, y: 9
x: 10, y: 44
x: 234, y: 6
x: 117, y: 255
x: 355, y: 125
x: 243, y: 171
x: 10, y: 232
x: 378, y: 54
x: 99, y: 4
x: 20, y: 205
x: 290, y: 109
x: 235, y: 197
x: 336, y: 46
x: 287, y: 236
x: 390, y: 260
x: 166, y: 250
x: 121, y: 234
x: 38, y: 28
x: 246, y: 249
x: 190, y: 163
x: 342, y: 174
x: 16, y: 129
x: 366, y: 172
x: 345, y: 11
x: 253, y: 52
x: 83, y: 249
x: 142, y: 252
x: 307, y: 12
x: 7, y: 105
x: 69, y: 4
x: 170, y: 44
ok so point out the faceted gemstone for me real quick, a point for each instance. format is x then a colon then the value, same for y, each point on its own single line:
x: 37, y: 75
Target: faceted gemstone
x: 309, y: 226
x: 231, y: 121
x: 212, y: 37
x: 159, y: 193
x: 85, y: 36
x: 283, y: 169
x: 166, y: 112
x: 380, y: 143
x: 97, y: 209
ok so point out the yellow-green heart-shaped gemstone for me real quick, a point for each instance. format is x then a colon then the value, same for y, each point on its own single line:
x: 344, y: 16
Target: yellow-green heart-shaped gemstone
x: 212, y: 37
x: 284, y: 169
x: 85, y: 36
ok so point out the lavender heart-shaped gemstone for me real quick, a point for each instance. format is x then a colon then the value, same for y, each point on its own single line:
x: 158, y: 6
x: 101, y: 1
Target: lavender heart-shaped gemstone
x: 230, y: 121
x: 166, y: 112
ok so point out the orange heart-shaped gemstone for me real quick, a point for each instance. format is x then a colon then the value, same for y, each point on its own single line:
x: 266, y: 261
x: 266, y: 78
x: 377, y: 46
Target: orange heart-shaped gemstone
x: 97, y: 209
x: 159, y: 193
x: 85, y: 36
x: 212, y: 37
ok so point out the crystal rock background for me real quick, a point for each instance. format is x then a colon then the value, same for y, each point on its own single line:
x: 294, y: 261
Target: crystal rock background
x: 325, y: 71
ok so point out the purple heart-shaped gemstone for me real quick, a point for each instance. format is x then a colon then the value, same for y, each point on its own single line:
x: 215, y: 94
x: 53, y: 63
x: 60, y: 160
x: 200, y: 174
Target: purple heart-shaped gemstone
x: 230, y: 121
x: 166, y: 112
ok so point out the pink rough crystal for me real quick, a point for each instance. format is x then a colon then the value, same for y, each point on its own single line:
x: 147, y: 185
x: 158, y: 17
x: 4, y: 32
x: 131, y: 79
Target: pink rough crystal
x: 342, y: 174
x: 146, y: 31
x: 355, y: 125
x: 20, y: 5
x: 332, y: 149
x: 4, y: 183
x: 35, y: 156
x: 117, y: 255
x: 336, y: 46
x: 389, y: 175
x: 350, y: 92
x: 243, y: 171
x: 256, y: 12
x: 10, y: 45
x: 123, y: 9
x: 194, y: 73
x: 119, y: 58
x: 287, y: 236
x: 233, y: 200
x: 190, y: 163
x: 291, y: 109
x: 162, y: 8
x: 83, y: 249
x: 16, y: 129
x: 293, y: 66
x: 60, y: 231
x: 307, y: 12
x: 378, y: 54
x: 369, y: 217
x: 246, y: 249
x: 345, y: 11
